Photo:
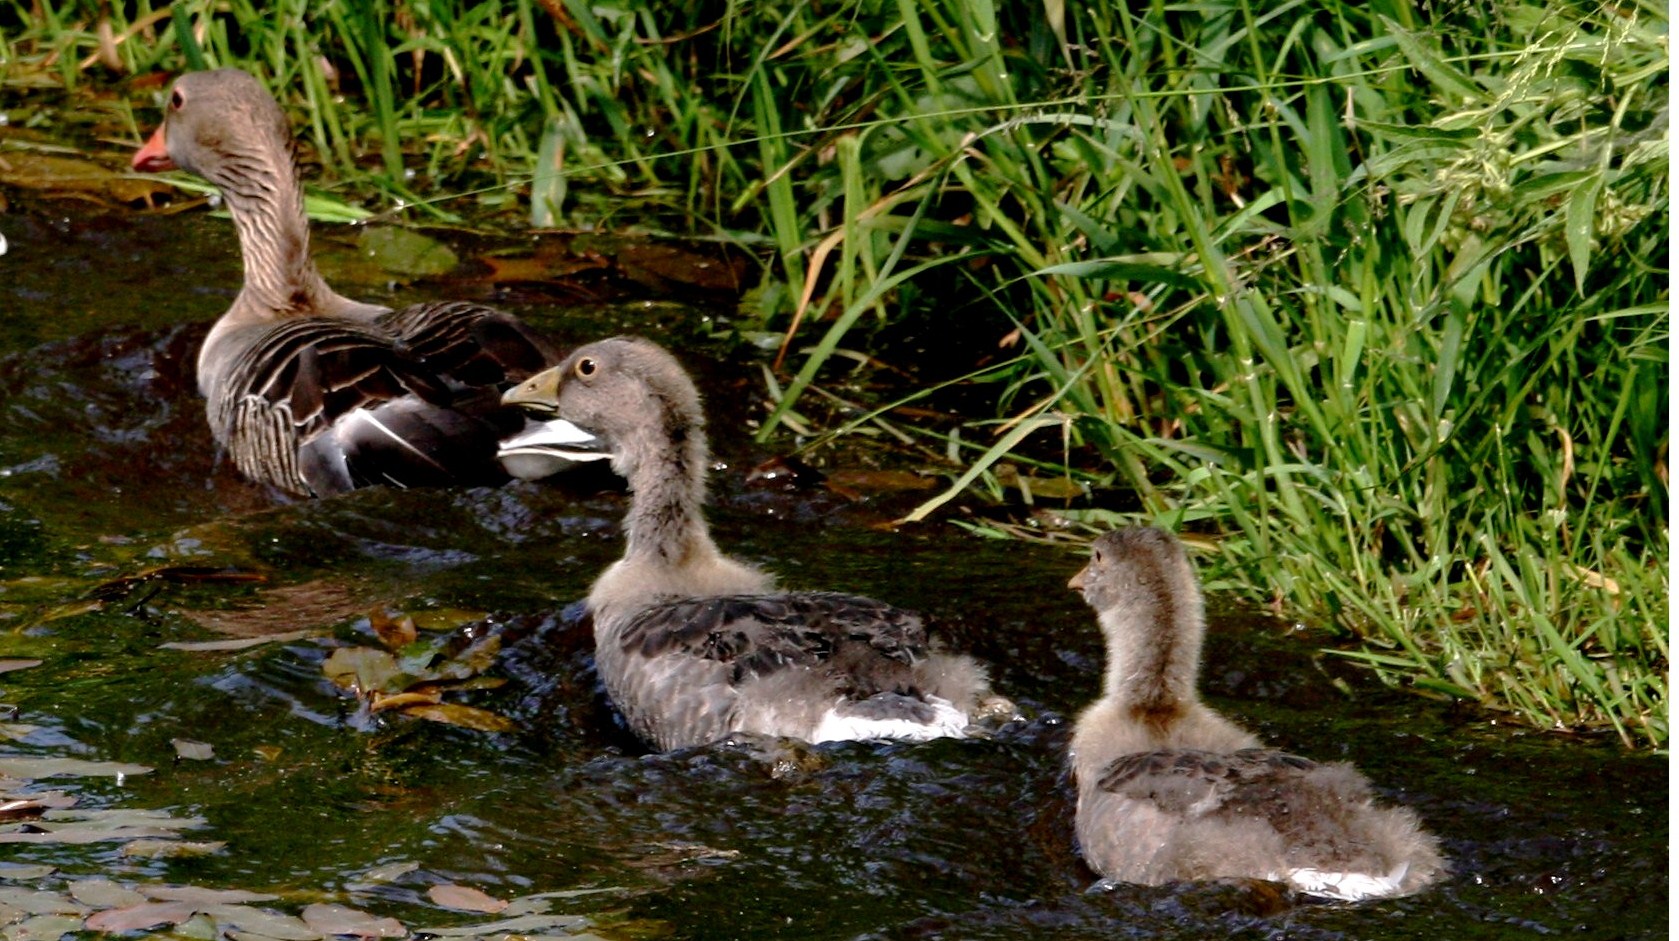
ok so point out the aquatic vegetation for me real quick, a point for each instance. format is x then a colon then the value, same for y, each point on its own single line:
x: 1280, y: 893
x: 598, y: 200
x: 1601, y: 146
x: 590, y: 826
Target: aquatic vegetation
x: 1374, y: 296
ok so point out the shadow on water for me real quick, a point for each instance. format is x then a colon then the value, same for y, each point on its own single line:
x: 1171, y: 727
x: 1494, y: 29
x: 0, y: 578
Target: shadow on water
x: 106, y: 471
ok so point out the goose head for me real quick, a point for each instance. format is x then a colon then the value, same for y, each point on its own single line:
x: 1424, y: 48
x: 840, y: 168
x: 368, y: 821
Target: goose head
x: 635, y: 398
x: 225, y: 127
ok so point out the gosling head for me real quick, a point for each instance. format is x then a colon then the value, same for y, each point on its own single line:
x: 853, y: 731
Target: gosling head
x: 222, y: 125
x: 628, y: 391
x: 1136, y: 566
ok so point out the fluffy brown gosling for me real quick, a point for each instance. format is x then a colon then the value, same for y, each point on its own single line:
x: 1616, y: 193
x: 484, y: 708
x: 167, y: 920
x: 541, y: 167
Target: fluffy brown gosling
x: 1169, y: 790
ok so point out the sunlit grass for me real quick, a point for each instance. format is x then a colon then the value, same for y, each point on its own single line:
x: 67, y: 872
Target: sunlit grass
x: 1376, y: 299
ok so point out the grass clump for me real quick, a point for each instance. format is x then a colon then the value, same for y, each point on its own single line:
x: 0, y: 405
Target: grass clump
x: 1375, y: 296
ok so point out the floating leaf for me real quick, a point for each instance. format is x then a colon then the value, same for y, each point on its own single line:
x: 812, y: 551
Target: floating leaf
x: 328, y: 918
x: 540, y: 902
x: 361, y: 669
x: 43, y: 928
x: 39, y: 901
x: 200, y: 927
x: 211, y: 646
x: 465, y: 899
x: 23, y: 872
x: 384, y: 703
x: 394, y: 632
x: 16, y: 731
x: 192, y: 751
x: 7, y: 666
x: 198, y: 895
x: 469, y: 717
x: 140, y: 917
x: 266, y: 923
x: 37, y: 768
x: 103, y: 893
x: 390, y: 872
x: 172, y: 849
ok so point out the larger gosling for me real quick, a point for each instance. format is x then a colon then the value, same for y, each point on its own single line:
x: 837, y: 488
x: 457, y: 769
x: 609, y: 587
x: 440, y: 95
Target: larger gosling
x: 1169, y: 790
x: 693, y: 645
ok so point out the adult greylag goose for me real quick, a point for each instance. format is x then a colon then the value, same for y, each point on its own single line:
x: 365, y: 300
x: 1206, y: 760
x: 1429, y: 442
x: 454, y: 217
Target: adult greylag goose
x: 315, y: 393
x: 693, y: 645
x: 1169, y: 790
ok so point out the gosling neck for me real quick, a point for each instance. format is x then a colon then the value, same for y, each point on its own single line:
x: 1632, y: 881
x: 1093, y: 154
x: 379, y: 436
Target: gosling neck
x: 1154, y: 656
x: 665, y: 463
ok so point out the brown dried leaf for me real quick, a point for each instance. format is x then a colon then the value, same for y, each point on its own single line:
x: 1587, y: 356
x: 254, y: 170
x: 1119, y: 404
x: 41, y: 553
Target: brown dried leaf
x: 384, y: 703
x: 469, y: 717
x: 395, y: 630
x: 465, y: 898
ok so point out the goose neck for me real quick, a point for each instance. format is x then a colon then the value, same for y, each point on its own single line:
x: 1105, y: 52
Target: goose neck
x: 266, y: 203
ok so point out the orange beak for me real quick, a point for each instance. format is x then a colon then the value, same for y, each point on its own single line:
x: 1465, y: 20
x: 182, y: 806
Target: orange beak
x: 154, y: 157
x: 1076, y: 583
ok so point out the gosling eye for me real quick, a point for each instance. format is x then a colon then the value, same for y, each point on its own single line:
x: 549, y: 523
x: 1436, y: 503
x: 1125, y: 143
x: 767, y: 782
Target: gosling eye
x: 176, y: 99
x: 586, y: 368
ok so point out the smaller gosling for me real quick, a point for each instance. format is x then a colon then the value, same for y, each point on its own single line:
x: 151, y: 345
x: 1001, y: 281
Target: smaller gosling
x: 1170, y: 790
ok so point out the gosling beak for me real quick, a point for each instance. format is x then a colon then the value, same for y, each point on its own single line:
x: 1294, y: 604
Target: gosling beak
x: 1076, y: 583
x: 154, y: 156
x: 538, y: 395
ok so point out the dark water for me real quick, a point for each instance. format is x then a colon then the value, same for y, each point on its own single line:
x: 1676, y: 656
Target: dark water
x: 106, y: 471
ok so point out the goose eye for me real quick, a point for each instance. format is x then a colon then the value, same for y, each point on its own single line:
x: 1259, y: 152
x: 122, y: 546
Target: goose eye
x: 586, y: 367
x: 176, y: 100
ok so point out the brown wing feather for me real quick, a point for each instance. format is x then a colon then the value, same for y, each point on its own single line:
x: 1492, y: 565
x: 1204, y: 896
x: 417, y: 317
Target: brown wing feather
x: 760, y: 634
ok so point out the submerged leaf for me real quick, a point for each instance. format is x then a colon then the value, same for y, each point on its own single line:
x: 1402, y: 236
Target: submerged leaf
x: 523, y: 925
x: 140, y: 917
x: 43, y: 928
x: 407, y: 252
x: 469, y: 717
x: 199, y: 895
x: 36, y: 768
x: 172, y: 849
x: 263, y: 922
x: 214, y: 646
x: 100, y: 892
x: 328, y: 918
x: 191, y: 750
x: 465, y: 898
